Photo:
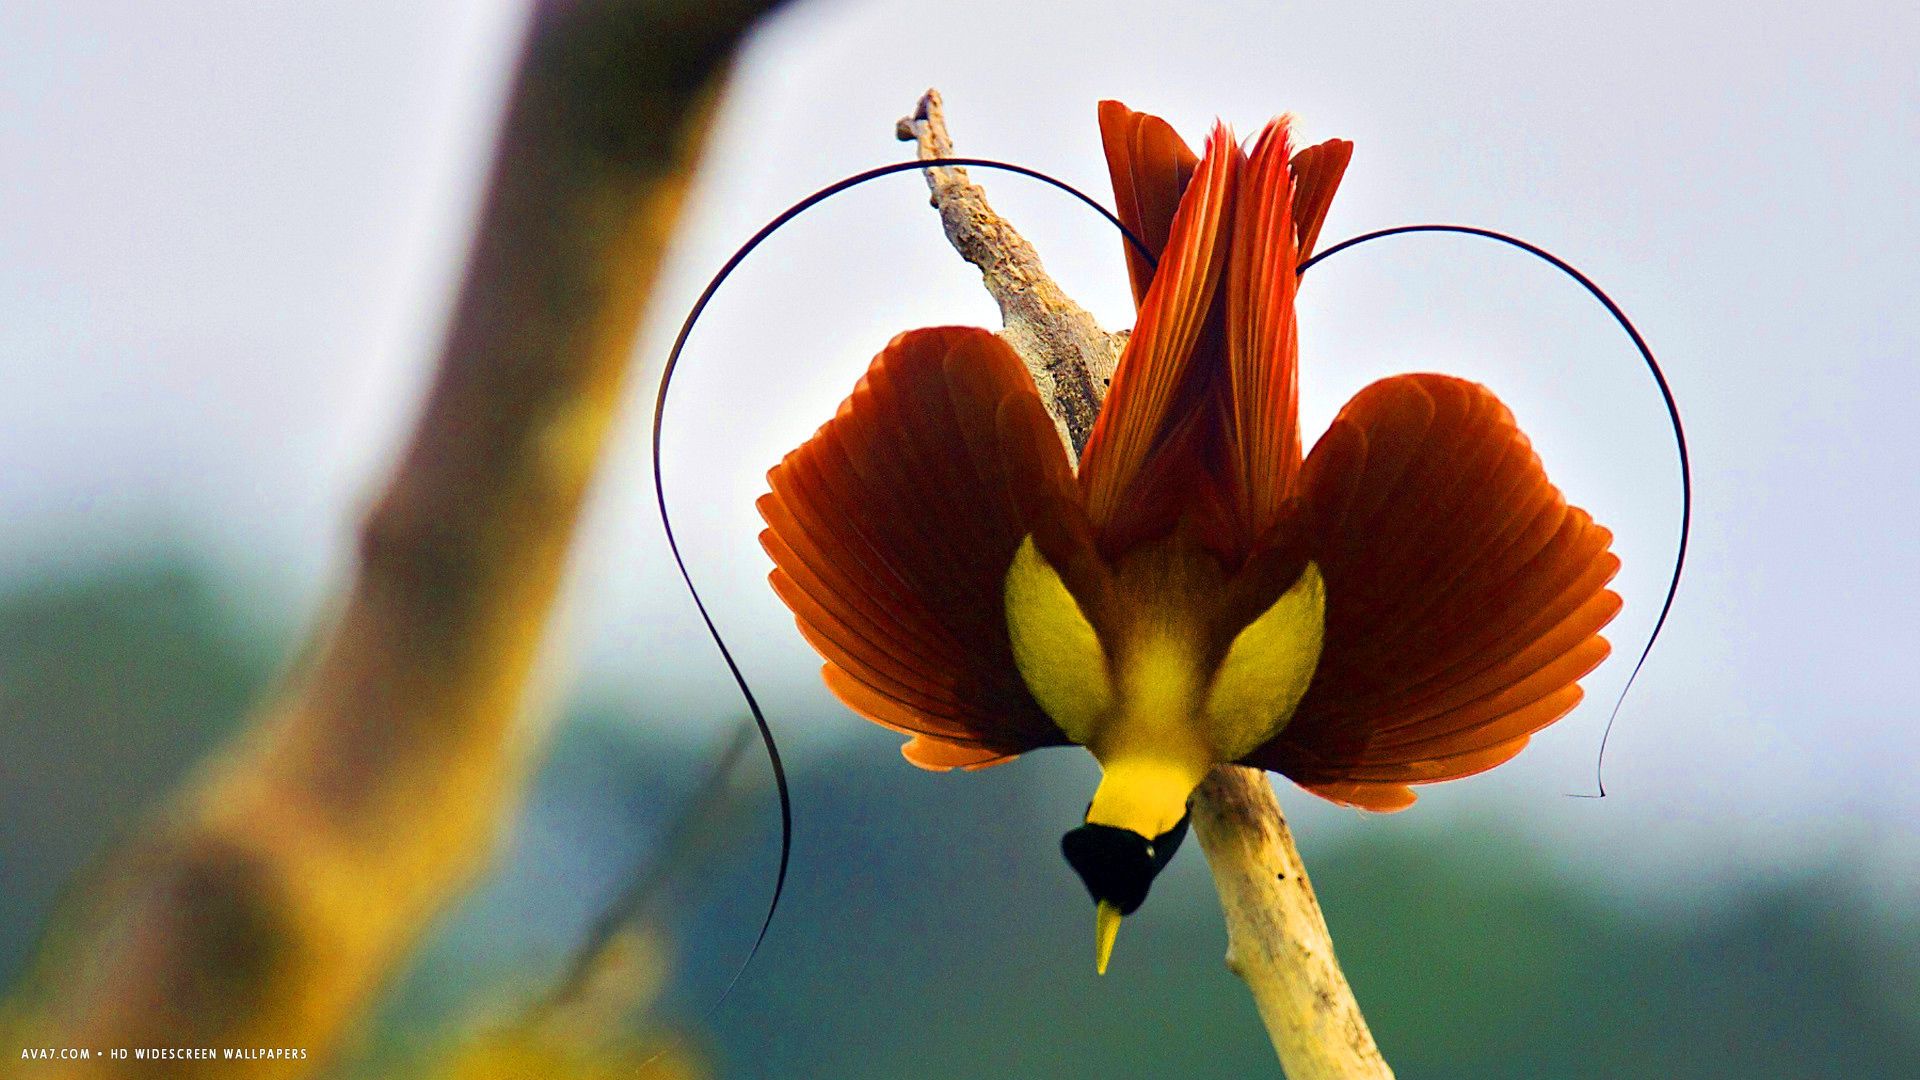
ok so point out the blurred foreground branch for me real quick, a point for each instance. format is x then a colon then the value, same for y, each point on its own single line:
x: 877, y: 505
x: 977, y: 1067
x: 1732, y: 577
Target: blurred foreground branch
x: 1277, y: 940
x: 283, y: 885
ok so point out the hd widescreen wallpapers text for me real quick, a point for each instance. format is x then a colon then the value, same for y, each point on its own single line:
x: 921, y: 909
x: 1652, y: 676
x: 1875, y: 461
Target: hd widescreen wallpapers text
x: 1160, y: 638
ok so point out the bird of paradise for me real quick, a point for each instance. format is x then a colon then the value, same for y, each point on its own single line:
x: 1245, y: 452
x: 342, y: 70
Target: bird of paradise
x: 1406, y: 604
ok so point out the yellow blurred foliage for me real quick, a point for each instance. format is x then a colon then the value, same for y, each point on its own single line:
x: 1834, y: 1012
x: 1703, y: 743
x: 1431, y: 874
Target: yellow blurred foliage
x: 528, y: 1052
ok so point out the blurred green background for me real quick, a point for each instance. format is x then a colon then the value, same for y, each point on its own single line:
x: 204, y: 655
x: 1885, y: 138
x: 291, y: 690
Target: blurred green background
x: 228, y: 236
x: 930, y: 929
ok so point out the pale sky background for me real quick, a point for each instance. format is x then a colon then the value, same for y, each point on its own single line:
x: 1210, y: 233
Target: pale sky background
x: 228, y: 232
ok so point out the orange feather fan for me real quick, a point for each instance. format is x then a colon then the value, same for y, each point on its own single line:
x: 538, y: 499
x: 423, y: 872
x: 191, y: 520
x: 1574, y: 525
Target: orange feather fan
x: 1463, y: 597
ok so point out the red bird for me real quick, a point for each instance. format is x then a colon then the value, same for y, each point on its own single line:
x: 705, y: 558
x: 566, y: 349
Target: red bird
x: 1408, y: 604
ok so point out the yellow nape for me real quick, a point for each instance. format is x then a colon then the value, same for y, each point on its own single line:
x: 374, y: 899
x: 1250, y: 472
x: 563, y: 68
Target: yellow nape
x: 1146, y: 794
x: 1153, y: 750
x: 1106, y: 927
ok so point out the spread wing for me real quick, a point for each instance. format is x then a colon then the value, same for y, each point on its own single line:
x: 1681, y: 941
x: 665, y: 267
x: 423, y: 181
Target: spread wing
x: 892, y: 530
x: 1464, y: 597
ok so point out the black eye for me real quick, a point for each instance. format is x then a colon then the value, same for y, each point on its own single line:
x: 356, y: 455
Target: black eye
x: 1161, y: 848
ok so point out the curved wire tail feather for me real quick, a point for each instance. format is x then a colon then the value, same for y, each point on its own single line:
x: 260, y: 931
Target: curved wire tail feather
x: 1143, y: 260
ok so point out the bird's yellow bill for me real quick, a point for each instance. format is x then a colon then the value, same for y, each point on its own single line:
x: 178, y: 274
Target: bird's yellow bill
x: 1106, y: 927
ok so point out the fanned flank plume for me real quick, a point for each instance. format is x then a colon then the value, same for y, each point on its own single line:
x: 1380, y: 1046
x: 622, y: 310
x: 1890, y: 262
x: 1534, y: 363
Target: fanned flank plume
x: 893, y: 522
x: 1465, y: 595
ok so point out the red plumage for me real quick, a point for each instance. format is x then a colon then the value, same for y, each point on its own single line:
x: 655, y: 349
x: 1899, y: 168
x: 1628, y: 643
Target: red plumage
x: 1464, y: 597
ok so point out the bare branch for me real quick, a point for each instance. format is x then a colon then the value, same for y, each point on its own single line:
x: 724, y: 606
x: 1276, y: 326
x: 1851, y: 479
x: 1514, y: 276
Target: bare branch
x: 1277, y: 940
x: 1070, y: 356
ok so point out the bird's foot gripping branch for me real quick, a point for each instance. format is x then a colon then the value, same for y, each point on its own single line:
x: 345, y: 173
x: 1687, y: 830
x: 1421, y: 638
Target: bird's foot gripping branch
x: 1059, y: 536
